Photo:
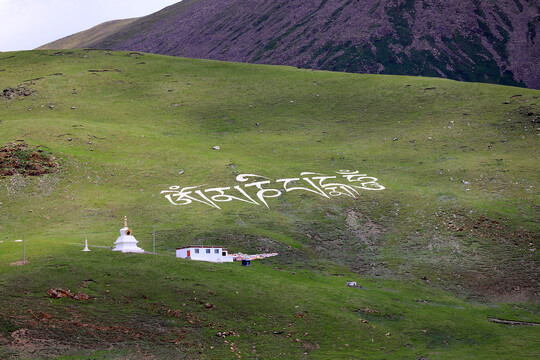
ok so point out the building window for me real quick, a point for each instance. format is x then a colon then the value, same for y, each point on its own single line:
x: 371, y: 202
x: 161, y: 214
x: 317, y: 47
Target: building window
x: 196, y: 251
x: 208, y: 251
x: 216, y: 251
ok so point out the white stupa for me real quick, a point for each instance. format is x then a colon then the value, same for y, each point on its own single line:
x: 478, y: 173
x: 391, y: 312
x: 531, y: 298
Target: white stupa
x: 126, y: 242
x: 86, y: 245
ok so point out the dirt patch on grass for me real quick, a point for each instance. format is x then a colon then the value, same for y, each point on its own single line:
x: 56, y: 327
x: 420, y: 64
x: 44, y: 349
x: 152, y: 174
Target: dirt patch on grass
x: 500, y: 262
x: 16, y: 92
x: 19, y: 263
x: 513, y: 322
x: 363, y: 227
x: 525, y: 118
x: 355, y: 243
x: 19, y: 158
x: 47, y: 331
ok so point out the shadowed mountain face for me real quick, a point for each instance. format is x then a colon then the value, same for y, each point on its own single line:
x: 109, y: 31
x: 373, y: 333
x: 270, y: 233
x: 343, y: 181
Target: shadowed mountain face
x: 469, y: 40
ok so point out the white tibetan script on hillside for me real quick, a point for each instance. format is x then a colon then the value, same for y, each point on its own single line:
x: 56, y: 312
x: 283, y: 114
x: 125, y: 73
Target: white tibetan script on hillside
x: 261, y: 188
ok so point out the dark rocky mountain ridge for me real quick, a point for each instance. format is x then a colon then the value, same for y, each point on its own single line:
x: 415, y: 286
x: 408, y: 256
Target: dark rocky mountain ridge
x: 469, y: 40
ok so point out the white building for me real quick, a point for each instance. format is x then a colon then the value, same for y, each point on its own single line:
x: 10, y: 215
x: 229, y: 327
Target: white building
x: 204, y: 253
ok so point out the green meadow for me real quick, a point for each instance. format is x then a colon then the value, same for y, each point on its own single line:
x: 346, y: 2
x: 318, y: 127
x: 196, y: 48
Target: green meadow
x: 446, y: 255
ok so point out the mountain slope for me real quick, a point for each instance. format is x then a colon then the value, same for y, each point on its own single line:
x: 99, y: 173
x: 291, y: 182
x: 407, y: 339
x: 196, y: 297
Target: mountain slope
x: 88, y: 37
x: 450, y: 243
x: 468, y: 40
x: 451, y: 156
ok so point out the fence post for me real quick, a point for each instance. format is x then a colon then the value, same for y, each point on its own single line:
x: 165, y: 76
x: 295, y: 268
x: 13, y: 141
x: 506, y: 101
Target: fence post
x: 24, y: 249
x: 154, y: 238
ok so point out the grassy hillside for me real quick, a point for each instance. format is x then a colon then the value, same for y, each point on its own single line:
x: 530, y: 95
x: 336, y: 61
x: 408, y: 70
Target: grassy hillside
x: 450, y: 242
x: 85, y: 38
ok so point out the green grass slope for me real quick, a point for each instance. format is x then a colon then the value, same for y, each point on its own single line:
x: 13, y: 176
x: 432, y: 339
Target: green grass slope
x: 460, y: 210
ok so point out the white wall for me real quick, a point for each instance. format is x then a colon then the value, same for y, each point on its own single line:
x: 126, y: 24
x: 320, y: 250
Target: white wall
x: 215, y: 254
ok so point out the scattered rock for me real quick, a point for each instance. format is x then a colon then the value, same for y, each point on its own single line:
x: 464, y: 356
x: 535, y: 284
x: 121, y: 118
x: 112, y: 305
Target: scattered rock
x: 369, y: 311
x: 57, y: 293
x: 80, y: 296
x: 223, y: 334
x: 84, y: 283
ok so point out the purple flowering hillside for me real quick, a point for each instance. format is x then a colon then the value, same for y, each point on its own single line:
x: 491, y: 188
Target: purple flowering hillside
x: 469, y: 40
